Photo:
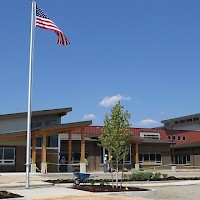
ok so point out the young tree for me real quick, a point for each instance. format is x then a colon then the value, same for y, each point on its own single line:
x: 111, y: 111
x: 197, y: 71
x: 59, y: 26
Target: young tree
x: 116, y: 135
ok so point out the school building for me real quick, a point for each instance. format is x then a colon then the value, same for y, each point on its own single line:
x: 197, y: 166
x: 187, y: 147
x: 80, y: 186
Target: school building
x: 78, y: 141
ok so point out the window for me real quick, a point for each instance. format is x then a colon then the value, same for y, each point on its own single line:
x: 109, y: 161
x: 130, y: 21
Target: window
x: 188, y: 120
x: 76, y: 157
x: 179, y: 138
x: 176, y: 122
x: 182, y: 121
x: 150, y: 157
x: 36, y: 124
x: 166, y: 124
x: 7, y: 155
x: 51, y: 122
x: 150, y: 135
x: 196, y: 119
x: 182, y: 159
x: 146, y: 157
x: 140, y: 158
x: 128, y: 157
x: 171, y: 136
x: 158, y: 158
x: 52, y: 141
x: 38, y: 142
x: 184, y: 138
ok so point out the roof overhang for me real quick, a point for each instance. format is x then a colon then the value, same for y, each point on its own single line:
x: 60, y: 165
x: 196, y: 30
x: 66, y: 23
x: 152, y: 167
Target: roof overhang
x: 60, y: 111
x: 180, y: 118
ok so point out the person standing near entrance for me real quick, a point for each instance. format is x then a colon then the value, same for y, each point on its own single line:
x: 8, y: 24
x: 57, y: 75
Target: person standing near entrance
x: 105, y: 163
x: 62, y: 164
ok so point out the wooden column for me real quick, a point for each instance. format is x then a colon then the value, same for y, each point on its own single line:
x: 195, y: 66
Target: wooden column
x: 82, y: 145
x: 69, y: 147
x: 44, y: 148
x: 33, y: 149
x: 136, y: 154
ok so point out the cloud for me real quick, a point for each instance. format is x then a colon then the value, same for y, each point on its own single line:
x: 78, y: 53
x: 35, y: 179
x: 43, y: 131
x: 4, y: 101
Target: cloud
x: 111, y: 101
x: 89, y: 116
x: 162, y: 113
x: 146, y: 122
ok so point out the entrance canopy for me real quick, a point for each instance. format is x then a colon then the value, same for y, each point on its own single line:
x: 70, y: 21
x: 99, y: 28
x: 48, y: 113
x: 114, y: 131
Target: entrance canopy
x: 45, y: 131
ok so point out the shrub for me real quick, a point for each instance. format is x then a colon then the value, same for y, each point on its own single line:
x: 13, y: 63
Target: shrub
x: 156, y: 176
x: 141, y: 176
x: 104, y: 181
x: 165, y: 176
x: 92, y: 181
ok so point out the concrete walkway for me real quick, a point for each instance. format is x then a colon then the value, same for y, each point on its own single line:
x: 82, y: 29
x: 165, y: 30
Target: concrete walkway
x: 15, y: 183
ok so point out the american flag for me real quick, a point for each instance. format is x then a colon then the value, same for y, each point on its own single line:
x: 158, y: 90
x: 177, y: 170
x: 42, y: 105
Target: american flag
x: 42, y: 21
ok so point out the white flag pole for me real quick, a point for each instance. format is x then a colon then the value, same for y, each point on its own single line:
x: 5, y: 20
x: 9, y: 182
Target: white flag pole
x: 28, y: 143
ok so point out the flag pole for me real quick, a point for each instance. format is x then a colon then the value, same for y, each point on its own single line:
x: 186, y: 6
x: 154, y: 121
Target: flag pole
x: 28, y: 142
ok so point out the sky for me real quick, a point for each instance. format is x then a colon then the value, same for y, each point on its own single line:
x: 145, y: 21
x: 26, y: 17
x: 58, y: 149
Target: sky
x: 145, y: 54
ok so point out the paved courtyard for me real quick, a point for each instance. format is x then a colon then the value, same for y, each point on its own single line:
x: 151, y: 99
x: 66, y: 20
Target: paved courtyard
x: 173, y: 190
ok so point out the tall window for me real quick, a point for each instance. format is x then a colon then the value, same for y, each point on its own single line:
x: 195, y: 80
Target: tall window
x: 52, y: 141
x: 183, y: 159
x: 128, y: 157
x: 7, y: 155
x: 38, y: 142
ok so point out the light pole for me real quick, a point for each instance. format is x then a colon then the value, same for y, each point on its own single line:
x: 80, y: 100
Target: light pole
x: 172, y: 148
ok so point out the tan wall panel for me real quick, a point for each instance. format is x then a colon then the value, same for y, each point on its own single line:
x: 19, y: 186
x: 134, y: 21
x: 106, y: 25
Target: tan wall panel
x: 52, y: 160
x: 154, y: 148
x: 13, y: 142
x: 196, y: 160
x: 20, y: 158
x: 7, y: 168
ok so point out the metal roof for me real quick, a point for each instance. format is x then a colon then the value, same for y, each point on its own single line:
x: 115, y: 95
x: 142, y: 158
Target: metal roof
x: 59, y: 111
x: 181, y: 118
